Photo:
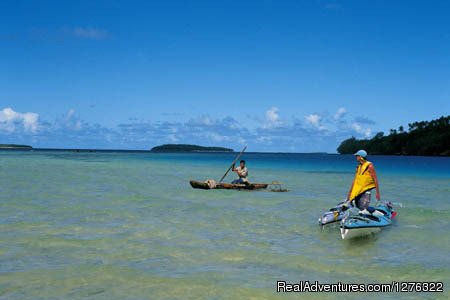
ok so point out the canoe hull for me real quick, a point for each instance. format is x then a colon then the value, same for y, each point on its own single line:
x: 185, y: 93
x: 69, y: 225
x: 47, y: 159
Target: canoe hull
x: 227, y: 186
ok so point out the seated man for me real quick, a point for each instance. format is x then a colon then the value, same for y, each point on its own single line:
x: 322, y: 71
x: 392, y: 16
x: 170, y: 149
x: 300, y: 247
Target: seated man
x: 242, y: 173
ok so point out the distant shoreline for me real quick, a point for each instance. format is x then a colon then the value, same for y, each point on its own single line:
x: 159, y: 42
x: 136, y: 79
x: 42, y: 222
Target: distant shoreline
x: 91, y: 150
x: 15, y: 146
x: 86, y: 150
x: 187, y: 148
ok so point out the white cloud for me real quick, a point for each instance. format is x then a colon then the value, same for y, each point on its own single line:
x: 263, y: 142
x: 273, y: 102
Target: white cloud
x: 206, y: 120
x: 217, y: 137
x: 70, y: 121
x: 12, y: 121
x: 313, y: 119
x: 271, y: 133
x: 90, y: 33
x: 340, y: 113
x: 272, y: 118
x: 358, y: 128
x: 263, y: 139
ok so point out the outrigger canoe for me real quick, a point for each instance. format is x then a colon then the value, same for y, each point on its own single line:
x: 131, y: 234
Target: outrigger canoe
x: 227, y: 186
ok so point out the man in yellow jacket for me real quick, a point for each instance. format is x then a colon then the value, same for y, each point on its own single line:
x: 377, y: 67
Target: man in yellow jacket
x: 364, y: 181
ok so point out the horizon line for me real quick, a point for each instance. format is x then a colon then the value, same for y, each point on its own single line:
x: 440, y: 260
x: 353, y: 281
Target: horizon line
x: 149, y: 151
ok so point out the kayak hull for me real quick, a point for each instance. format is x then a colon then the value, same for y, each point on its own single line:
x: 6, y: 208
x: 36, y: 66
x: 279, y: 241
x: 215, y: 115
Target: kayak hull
x: 366, y: 223
x: 347, y: 234
x: 227, y: 186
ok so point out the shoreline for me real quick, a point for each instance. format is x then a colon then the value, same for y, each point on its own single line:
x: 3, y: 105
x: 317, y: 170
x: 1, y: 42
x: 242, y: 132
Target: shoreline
x: 85, y: 150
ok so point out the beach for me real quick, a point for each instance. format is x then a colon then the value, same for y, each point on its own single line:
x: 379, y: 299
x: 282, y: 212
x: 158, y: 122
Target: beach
x: 126, y: 225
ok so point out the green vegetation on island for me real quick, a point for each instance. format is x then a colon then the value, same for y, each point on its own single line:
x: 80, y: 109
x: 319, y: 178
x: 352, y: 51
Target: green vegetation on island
x: 188, y: 148
x: 430, y: 138
x: 14, y: 146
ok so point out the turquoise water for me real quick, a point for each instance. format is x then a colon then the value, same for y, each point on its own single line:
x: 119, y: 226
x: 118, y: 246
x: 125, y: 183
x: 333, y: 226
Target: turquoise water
x: 128, y: 226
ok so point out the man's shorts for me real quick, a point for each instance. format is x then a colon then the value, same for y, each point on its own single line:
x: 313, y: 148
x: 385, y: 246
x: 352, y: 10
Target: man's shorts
x: 363, y: 200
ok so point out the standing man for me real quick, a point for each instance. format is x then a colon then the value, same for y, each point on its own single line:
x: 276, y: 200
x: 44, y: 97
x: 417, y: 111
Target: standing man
x: 242, y: 172
x: 364, y: 181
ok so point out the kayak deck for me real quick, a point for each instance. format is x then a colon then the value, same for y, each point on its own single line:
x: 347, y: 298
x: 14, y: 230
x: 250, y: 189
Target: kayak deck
x: 366, y: 222
x: 228, y: 186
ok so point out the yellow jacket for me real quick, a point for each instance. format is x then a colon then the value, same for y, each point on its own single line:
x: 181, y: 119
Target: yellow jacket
x: 363, y: 180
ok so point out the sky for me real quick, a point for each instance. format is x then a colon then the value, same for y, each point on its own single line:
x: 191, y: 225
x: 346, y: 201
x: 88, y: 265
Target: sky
x: 280, y: 76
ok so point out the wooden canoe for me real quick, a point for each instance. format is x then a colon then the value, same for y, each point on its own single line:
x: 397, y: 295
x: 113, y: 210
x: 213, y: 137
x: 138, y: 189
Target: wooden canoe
x: 228, y: 186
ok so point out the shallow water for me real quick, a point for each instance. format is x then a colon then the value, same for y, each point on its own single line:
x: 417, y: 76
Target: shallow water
x: 129, y: 226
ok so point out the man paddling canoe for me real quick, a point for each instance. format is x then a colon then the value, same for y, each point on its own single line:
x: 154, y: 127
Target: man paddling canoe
x: 242, y: 172
x: 365, y: 180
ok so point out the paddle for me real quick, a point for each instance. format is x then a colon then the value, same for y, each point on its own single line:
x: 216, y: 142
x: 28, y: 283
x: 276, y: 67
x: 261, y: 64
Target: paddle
x: 234, y: 161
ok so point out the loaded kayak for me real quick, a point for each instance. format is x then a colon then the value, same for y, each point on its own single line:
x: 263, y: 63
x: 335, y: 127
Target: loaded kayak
x: 335, y: 214
x: 212, y: 185
x: 358, y: 223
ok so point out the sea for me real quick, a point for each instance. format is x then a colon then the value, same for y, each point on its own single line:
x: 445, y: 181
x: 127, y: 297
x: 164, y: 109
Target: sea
x: 127, y: 225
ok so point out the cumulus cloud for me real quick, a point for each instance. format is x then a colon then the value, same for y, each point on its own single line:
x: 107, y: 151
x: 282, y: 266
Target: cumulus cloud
x: 340, y: 113
x: 272, y: 118
x: 13, y: 122
x: 271, y: 133
x: 71, y: 121
x: 361, y: 130
x: 314, y: 120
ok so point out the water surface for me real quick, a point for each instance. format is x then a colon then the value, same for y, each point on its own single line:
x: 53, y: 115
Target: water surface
x: 123, y: 225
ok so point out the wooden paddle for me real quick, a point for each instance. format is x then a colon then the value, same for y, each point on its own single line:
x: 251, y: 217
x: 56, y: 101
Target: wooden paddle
x: 234, y: 161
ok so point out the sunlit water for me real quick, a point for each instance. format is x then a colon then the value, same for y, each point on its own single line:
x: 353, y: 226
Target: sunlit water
x: 129, y: 226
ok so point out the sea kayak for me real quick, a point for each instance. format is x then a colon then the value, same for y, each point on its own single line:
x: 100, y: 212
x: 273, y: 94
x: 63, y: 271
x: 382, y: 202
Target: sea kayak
x: 335, y: 214
x: 358, y: 223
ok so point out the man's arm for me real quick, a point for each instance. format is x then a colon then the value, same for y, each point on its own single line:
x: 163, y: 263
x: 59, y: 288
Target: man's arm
x: 373, y: 173
x: 236, y: 170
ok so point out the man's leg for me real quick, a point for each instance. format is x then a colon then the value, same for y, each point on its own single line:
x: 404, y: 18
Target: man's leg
x: 363, y: 200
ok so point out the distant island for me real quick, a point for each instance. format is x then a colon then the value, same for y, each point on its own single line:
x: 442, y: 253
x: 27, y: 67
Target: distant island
x: 427, y: 138
x: 15, y: 146
x: 188, y: 148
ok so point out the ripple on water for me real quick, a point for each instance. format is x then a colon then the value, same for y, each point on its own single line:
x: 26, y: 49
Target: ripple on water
x: 125, y: 226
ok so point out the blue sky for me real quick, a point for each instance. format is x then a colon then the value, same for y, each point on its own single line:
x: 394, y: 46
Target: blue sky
x: 294, y: 76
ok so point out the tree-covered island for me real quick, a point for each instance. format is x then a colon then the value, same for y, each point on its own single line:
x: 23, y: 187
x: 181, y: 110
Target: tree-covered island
x: 188, y: 148
x: 15, y: 146
x: 430, y: 138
